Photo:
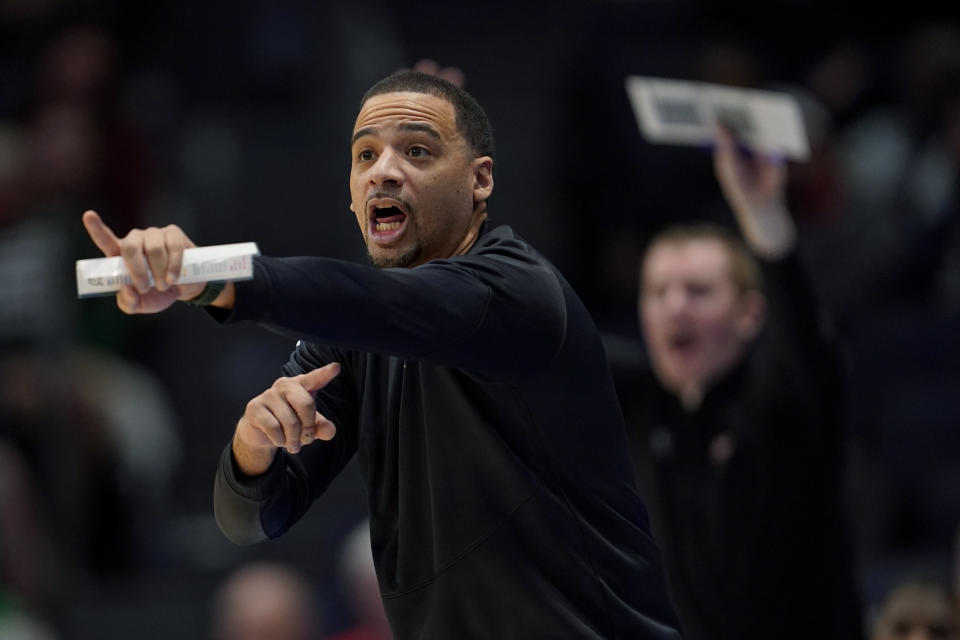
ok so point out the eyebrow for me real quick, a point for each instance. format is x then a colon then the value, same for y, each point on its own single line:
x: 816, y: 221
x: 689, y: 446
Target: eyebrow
x: 406, y: 126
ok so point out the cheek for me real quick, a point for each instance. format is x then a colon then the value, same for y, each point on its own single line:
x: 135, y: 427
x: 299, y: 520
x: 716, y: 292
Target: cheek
x: 452, y: 187
x: 650, y: 322
x: 722, y: 341
x: 718, y: 320
x: 656, y: 335
x: 719, y: 331
x: 357, y: 203
x: 449, y: 208
x: 356, y: 197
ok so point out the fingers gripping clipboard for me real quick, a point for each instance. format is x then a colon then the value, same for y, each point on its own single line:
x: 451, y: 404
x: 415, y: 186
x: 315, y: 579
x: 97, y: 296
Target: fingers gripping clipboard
x: 217, y: 263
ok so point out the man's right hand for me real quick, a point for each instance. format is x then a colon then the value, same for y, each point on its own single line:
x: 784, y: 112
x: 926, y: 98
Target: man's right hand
x: 283, y: 416
x: 146, y: 251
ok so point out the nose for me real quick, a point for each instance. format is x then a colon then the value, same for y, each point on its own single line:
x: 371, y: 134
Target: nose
x: 386, y: 171
x: 675, y: 300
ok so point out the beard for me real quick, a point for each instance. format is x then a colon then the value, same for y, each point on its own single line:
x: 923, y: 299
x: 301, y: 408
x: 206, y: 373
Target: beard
x: 400, y: 261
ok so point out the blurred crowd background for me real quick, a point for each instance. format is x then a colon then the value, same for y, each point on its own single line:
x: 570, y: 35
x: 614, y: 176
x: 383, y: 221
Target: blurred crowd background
x: 232, y: 120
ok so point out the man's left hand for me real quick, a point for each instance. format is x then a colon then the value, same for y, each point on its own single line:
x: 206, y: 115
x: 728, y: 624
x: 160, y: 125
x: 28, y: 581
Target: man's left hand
x: 754, y: 186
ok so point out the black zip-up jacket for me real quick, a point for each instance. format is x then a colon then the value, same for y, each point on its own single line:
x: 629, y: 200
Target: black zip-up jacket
x: 476, y: 394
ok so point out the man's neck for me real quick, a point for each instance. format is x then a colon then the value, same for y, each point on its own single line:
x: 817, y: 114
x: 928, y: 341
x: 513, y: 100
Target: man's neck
x: 473, y: 232
x: 691, y: 397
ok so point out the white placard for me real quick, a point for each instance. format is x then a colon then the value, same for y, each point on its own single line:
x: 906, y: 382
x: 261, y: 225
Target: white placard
x: 684, y: 112
x: 217, y: 263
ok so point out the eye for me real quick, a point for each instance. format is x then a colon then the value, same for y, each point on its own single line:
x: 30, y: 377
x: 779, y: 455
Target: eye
x: 417, y: 152
x: 654, y: 293
x: 365, y: 155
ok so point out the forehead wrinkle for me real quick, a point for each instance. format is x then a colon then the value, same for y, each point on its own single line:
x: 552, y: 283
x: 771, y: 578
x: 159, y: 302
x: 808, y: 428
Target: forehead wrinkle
x: 407, y: 108
x: 403, y: 126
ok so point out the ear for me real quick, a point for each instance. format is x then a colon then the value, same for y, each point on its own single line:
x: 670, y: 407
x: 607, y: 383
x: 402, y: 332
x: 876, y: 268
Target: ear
x: 482, y: 179
x: 753, y: 314
x: 351, y: 208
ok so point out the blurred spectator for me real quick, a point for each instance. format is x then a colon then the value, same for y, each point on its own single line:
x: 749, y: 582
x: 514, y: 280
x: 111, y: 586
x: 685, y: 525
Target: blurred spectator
x: 265, y: 601
x: 899, y: 172
x: 358, y: 578
x: 738, y: 437
x: 84, y: 147
x: 94, y: 453
x: 100, y: 456
x: 71, y: 144
x: 69, y: 147
x: 918, y: 609
x: 896, y: 243
x: 19, y: 626
x: 31, y: 576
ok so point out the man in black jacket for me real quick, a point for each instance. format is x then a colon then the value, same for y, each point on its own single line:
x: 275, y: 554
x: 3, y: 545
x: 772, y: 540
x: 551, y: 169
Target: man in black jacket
x: 465, y: 375
x: 737, y: 428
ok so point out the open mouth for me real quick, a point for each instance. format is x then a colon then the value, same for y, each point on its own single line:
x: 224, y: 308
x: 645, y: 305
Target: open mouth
x: 683, y: 343
x: 387, y: 220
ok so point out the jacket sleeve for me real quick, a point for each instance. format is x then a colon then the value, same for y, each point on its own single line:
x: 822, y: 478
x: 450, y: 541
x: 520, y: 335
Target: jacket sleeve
x: 799, y: 322
x: 496, y: 311
x: 250, y: 509
x: 805, y: 369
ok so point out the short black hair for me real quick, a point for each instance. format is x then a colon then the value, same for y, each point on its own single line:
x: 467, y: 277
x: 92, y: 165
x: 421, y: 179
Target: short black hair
x: 471, y: 119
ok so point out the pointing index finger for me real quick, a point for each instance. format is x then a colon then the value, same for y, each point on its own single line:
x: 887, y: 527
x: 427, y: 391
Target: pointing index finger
x: 101, y: 234
x: 318, y: 378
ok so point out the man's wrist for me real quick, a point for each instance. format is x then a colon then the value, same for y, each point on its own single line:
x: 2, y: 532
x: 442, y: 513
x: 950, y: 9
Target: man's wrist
x: 771, y: 233
x: 209, y: 293
x: 215, y: 294
x: 249, y: 461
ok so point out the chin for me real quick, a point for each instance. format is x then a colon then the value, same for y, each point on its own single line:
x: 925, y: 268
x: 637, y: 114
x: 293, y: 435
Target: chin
x: 677, y: 380
x: 395, y: 259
